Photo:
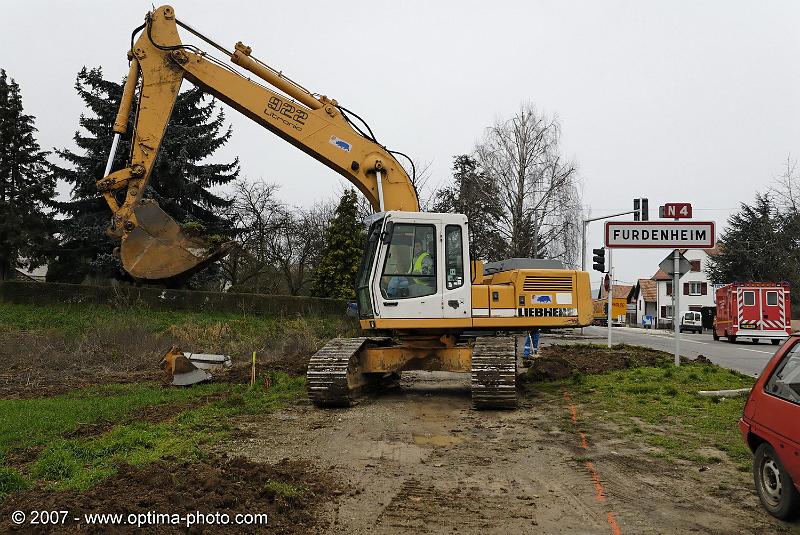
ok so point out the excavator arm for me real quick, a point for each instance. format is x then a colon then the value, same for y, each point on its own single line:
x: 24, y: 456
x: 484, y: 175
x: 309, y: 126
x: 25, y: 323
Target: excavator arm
x: 153, y: 246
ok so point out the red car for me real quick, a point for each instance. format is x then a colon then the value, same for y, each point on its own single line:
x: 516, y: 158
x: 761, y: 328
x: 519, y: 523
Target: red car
x: 771, y: 427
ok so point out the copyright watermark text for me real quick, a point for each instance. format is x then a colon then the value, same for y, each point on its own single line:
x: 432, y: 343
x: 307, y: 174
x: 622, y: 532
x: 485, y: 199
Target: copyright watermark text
x: 139, y: 520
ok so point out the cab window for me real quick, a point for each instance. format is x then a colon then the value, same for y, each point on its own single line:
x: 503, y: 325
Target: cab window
x: 410, y: 266
x: 772, y: 299
x: 454, y: 256
x: 749, y: 298
x: 785, y: 380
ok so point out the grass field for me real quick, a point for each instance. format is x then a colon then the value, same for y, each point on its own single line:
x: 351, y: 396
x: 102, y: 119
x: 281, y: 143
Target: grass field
x: 81, y: 436
x: 221, y: 332
x: 75, y: 440
x: 659, y: 407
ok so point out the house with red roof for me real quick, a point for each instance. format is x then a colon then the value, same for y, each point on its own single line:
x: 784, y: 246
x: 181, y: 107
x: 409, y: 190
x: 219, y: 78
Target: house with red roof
x: 644, y: 297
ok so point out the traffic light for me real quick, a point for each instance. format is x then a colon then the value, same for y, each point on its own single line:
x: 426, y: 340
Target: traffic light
x: 599, y: 259
x: 640, y: 210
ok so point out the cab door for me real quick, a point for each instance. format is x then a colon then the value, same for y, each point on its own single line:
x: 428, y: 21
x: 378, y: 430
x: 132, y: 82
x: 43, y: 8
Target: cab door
x: 407, y: 281
x: 457, y: 288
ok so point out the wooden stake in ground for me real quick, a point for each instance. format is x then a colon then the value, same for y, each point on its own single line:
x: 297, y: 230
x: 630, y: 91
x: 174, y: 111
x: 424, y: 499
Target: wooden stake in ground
x: 253, y: 371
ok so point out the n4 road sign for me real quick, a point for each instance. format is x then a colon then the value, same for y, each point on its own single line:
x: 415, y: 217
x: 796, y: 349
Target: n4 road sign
x: 675, y: 210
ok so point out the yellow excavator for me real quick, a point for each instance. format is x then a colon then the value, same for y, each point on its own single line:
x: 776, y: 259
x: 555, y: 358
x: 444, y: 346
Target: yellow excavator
x: 423, y: 302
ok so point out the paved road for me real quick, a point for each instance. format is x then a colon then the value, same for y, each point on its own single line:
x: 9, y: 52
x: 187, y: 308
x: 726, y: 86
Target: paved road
x: 741, y: 356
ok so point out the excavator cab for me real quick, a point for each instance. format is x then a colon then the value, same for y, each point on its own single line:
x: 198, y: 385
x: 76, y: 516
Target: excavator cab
x: 415, y: 265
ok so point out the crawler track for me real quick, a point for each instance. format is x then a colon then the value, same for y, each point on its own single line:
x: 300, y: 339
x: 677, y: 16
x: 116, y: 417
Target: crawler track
x: 327, y: 376
x: 494, y: 373
x: 334, y: 376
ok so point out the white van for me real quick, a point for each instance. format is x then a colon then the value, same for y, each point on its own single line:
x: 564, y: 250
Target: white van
x: 691, y: 321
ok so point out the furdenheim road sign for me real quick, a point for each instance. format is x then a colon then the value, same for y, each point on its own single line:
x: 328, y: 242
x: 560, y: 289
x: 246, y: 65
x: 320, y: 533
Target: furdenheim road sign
x: 660, y: 234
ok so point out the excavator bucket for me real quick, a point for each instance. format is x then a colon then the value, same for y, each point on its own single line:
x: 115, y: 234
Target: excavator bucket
x: 157, y: 248
x: 181, y: 369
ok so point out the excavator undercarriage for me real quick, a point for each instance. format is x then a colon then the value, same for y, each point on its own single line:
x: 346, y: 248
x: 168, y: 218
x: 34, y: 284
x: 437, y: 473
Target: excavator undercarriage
x: 346, y: 368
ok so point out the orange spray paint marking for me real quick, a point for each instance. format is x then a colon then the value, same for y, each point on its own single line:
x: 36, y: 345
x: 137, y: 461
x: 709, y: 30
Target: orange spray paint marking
x: 599, y: 491
x: 612, y: 522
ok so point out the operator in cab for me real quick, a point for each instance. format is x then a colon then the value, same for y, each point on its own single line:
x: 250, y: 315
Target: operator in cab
x: 420, y: 278
x: 423, y: 262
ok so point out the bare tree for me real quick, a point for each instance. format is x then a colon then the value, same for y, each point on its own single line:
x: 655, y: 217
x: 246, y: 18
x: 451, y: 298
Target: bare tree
x: 420, y: 175
x: 786, y: 188
x: 537, y: 186
x: 278, y: 245
x: 296, y: 244
x: 257, y: 214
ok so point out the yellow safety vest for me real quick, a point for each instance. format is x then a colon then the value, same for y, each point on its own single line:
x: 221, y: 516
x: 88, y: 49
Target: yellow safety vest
x: 416, y: 268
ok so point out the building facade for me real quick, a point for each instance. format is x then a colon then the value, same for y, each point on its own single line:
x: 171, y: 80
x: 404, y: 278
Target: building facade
x: 695, y: 289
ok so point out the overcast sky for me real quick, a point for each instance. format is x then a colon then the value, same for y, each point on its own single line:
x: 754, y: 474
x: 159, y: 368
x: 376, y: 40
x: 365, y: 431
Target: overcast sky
x: 674, y: 101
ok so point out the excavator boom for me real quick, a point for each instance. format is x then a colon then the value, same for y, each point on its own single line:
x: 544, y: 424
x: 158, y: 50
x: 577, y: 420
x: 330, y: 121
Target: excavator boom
x: 153, y: 245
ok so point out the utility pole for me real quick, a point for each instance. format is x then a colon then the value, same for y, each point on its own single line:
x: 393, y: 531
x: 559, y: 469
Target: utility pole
x: 583, y: 259
x: 610, y: 296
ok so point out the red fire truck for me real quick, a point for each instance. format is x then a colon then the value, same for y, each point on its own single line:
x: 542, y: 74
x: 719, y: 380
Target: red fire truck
x: 753, y: 310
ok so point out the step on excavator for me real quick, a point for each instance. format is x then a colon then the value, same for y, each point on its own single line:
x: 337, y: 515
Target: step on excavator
x: 423, y: 302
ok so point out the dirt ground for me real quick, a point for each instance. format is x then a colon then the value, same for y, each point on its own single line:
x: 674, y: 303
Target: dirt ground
x: 216, y: 485
x: 424, y: 462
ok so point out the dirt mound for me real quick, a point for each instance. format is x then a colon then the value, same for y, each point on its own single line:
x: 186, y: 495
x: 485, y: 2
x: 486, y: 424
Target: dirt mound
x: 288, y: 492
x: 564, y: 361
x: 702, y: 359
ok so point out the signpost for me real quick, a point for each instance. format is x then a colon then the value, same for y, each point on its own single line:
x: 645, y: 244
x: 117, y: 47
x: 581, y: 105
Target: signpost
x: 665, y: 235
x: 675, y: 210
x: 610, y: 292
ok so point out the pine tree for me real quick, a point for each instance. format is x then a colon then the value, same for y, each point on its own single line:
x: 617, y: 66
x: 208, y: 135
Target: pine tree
x: 180, y: 182
x: 335, y: 275
x: 473, y: 194
x: 26, y: 186
x: 759, y: 244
